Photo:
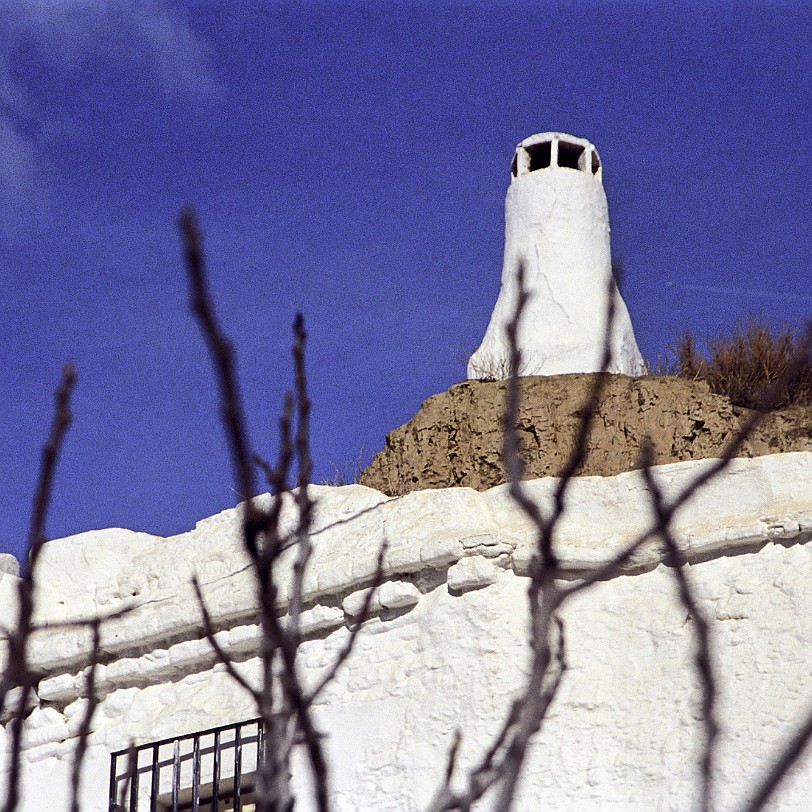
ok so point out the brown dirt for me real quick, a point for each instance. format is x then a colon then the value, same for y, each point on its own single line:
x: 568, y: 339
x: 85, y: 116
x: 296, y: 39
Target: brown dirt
x: 455, y: 439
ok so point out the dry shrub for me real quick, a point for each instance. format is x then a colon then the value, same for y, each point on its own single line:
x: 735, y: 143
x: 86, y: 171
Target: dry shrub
x: 350, y: 474
x: 491, y: 369
x: 744, y: 363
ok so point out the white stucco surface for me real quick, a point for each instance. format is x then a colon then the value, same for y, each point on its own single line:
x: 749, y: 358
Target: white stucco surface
x: 557, y: 227
x: 447, y: 645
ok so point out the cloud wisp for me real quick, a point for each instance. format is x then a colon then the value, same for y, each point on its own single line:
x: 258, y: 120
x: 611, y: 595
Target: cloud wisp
x: 150, y: 41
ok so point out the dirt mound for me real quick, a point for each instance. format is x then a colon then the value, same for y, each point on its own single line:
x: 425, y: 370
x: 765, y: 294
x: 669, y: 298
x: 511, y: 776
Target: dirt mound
x: 456, y: 439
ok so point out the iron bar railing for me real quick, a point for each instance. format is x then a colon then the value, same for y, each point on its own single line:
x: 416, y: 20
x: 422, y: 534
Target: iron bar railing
x: 212, y: 770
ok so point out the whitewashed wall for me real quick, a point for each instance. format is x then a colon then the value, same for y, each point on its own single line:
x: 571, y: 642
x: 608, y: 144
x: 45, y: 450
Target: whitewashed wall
x: 447, y: 646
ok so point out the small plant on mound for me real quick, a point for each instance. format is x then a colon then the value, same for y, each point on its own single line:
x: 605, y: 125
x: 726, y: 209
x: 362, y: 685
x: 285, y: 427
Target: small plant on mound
x: 491, y: 369
x: 349, y: 475
x: 744, y: 363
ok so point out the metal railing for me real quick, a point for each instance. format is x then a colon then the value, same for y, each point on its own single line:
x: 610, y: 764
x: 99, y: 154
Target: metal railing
x: 209, y: 771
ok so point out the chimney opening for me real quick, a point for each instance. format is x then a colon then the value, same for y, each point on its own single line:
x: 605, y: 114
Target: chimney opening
x: 540, y: 155
x: 570, y: 156
x: 514, y: 165
x: 596, y: 162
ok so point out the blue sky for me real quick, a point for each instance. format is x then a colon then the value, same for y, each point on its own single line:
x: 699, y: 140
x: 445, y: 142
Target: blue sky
x: 350, y: 160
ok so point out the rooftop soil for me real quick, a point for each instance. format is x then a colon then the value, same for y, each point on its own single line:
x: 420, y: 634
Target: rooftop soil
x: 456, y: 437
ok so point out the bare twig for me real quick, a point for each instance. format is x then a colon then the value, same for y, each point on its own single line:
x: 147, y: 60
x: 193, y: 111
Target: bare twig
x: 266, y: 468
x: 222, y: 657
x: 456, y: 741
x: 17, y: 672
x: 76, y: 623
x: 278, y: 639
x: 704, y: 664
x: 275, y: 476
x: 303, y: 501
x: 791, y: 753
x: 511, y: 459
x: 87, y: 718
x: 255, y: 522
x: 223, y: 358
x: 544, y: 594
x: 501, y: 767
x: 131, y: 776
x: 345, y: 652
x: 713, y: 469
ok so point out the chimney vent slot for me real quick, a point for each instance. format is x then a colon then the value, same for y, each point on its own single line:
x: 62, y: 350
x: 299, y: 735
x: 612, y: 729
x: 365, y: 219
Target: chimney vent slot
x: 571, y: 156
x: 540, y: 155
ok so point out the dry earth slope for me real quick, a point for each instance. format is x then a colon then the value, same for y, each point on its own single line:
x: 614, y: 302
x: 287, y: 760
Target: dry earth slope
x: 455, y: 439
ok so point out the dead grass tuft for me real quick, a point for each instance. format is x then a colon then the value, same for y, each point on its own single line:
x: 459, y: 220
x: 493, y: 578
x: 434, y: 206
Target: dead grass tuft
x: 741, y: 365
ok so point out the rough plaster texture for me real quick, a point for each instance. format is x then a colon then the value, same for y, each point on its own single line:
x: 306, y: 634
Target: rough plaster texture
x: 446, y: 647
x: 557, y: 228
x: 456, y: 438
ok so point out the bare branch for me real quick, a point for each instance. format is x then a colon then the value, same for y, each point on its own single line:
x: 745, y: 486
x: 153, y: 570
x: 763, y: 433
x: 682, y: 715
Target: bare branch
x: 131, y: 775
x: 222, y: 657
x: 303, y: 501
x: 310, y: 735
x: 17, y: 672
x: 769, y: 398
x: 345, y: 652
x: 285, y: 638
x: 76, y: 623
x: 276, y: 637
x: 87, y: 718
x: 511, y: 459
x: 704, y: 664
x: 791, y: 753
x: 265, y: 466
x: 276, y: 477
x: 544, y: 595
x: 222, y: 354
x: 456, y: 741
x: 502, y: 764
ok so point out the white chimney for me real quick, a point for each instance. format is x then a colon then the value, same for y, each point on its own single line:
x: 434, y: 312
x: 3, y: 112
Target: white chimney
x: 557, y: 224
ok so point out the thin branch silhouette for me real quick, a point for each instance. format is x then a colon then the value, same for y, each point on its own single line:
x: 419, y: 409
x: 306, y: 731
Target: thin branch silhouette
x: 283, y: 702
x: 87, y: 717
x: 702, y: 658
x: 17, y: 672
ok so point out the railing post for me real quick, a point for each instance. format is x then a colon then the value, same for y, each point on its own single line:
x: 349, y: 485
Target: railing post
x: 133, y: 770
x: 237, y: 768
x: 215, y: 781
x: 175, y: 775
x: 112, y: 799
x: 196, y: 774
x: 155, y: 783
